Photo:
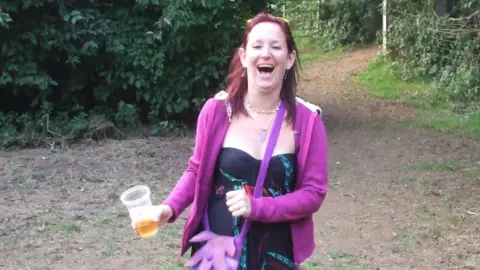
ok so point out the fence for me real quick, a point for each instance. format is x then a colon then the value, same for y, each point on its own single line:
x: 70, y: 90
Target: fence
x: 304, y: 16
x: 422, y: 42
x: 337, y: 22
x: 444, y: 48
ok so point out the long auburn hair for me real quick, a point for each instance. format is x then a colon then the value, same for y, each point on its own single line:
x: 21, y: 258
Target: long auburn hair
x: 237, y: 85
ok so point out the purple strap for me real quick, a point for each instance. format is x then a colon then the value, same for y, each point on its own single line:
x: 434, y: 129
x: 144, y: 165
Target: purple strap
x: 261, y: 175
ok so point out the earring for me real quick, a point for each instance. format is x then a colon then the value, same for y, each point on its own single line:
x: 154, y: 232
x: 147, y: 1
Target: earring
x: 244, y: 71
x: 286, y: 74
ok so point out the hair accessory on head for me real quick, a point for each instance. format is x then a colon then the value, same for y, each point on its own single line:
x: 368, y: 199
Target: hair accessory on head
x: 280, y: 18
x: 285, y: 20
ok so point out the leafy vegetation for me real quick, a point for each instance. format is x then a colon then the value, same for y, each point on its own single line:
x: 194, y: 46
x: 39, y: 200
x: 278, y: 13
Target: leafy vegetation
x: 332, y: 24
x: 438, y: 48
x: 433, y: 64
x: 69, y: 65
x: 381, y: 78
x: 72, y: 68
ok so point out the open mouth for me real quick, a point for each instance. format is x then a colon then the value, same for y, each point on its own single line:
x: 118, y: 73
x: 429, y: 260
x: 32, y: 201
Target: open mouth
x: 265, y: 68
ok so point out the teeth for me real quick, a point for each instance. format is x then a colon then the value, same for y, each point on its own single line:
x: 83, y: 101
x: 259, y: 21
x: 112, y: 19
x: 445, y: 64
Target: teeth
x: 265, y: 66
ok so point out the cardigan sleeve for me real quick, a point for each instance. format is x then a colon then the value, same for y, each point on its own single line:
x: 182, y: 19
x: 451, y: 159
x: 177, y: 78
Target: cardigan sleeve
x: 309, y: 196
x: 183, y: 193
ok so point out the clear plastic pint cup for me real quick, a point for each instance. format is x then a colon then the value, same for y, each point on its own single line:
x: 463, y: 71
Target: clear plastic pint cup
x: 138, y: 202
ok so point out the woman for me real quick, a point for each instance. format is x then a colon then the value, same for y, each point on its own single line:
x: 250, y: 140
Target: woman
x: 232, y: 134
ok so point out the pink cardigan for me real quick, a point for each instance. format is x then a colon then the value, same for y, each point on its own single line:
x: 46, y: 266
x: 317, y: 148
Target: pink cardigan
x: 296, y: 207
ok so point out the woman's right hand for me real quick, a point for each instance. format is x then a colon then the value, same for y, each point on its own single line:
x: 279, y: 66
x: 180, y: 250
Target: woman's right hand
x: 159, y: 213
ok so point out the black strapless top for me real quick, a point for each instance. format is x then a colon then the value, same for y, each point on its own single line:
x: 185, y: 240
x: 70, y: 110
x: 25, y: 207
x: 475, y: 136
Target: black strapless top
x: 267, y: 245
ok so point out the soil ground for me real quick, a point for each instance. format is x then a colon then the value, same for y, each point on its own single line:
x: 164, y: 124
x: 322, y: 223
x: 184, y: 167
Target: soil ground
x: 399, y: 197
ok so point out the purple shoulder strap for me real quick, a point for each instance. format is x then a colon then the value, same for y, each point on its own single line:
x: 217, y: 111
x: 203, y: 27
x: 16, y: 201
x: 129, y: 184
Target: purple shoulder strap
x: 262, y: 173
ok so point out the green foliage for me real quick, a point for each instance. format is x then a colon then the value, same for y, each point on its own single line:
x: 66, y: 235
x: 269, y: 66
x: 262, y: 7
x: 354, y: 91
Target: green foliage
x: 333, y: 23
x: 444, y: 50
x: 4, y: 19
x: 382, y: 79
x: 151, y: 61
x: 349, y: 22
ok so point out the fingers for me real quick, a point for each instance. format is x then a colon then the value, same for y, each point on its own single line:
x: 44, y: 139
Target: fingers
x: 219, y: 262
x: 231, y: 263
x: 163, y: 214
x: 230, y: 249
x: 241, y: 211
x: 234, y: 193
x: 238, y: 203
x: 205, y: 265
x: 216, y: 254
x: 238, y: 210
x: 154, y: 212
x: 232, y: 207
x: 159, y: 214
x: 235, y: 200
x: 195, y: 259
x: 201, y: 237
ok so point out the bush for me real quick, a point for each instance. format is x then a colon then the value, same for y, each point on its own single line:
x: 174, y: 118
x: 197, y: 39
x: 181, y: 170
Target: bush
x: 150, y: 61
x: 443, y: 49
x: 333, y: 23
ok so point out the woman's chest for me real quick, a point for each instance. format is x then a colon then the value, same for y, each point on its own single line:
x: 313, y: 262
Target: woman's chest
x: 252, y: 137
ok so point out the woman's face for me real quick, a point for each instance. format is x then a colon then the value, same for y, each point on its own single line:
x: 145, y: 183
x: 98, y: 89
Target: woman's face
x: 266, y: 57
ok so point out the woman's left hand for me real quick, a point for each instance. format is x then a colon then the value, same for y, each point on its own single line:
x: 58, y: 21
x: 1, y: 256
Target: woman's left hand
x: 238, y: 203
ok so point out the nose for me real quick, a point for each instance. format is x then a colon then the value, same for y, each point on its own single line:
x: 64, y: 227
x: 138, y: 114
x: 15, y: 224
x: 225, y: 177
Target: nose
x: 266, y: 53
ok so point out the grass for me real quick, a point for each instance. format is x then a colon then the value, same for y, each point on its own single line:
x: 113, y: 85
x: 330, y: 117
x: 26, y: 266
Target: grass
x: 402, y: 241
x: 467, y: 167
x: 382, y: 83
x: 340, y: 261
x: 444, y: 209
x: 111, y: 250
x: 380, y: 79
x: 67, y: 226
x: 310, y: 49
x: 445, y: 121
x: 444, y: 165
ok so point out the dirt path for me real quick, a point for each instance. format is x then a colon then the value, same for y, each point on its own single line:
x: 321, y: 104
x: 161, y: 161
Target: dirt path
x: 399, y: 198
x: 398, y: 195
